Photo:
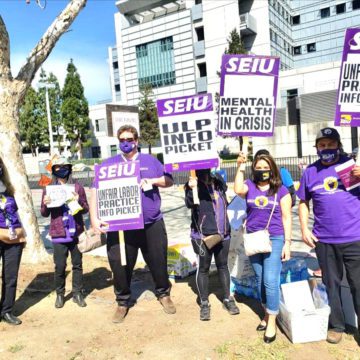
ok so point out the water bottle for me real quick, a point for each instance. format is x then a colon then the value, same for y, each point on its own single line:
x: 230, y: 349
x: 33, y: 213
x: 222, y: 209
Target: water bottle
x: 320, y: 296
x: 288, y: 276
x: 12, y: 232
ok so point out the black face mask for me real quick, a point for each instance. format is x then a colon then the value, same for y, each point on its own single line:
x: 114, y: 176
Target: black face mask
x: 262, y: 175
x: 62, y: 173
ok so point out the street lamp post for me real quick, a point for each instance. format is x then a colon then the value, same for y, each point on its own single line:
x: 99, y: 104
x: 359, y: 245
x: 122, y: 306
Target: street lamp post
x: 51, y: 140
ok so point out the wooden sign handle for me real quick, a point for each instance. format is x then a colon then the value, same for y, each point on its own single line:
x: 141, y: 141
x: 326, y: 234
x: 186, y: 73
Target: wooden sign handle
x: 195, y: 190
x: 122, y: 248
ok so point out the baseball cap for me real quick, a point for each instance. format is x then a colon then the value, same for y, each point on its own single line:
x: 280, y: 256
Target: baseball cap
x: 329, y: 133
x: 61, y: 161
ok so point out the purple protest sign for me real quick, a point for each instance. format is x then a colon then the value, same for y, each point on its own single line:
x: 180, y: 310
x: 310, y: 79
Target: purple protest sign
x: 248, y: 92
x: 118, y: 194
x: 348, y: 98
x: 187, y: 132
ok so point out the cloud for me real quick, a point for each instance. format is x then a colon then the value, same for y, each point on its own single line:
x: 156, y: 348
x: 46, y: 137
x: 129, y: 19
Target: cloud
x: 94, y: 73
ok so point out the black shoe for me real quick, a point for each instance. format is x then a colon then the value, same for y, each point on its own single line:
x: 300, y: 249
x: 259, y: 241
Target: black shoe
x: 60, y: 301
x: 11, y: 319
x: 204, y: 311
x: 230, y: 306
x: 261, y: 327
x: 79, y: 299
x: 268, y: 339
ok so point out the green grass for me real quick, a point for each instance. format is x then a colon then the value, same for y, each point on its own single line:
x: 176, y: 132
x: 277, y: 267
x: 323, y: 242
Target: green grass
x: 15, y: 348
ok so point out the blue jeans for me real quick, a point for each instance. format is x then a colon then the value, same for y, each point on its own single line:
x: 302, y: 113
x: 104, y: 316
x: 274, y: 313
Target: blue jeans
x: 267, y: 268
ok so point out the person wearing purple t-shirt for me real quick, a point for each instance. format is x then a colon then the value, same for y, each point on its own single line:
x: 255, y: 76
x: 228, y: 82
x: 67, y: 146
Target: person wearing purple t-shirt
x: 335, y: 235
x: 11, y: 247
x: 152, y: 240
x: 209, y: 217
x: 263, y: 193
x: 65, y: 229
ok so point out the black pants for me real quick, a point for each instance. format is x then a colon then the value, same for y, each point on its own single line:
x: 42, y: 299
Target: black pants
x: 10, y: 255
x: 152, y: 240
x: 61, y: 252
x: 221, y: 252
x: 332, y: 259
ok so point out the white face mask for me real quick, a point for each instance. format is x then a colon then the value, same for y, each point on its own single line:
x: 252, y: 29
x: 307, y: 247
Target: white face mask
x: 2, y: 187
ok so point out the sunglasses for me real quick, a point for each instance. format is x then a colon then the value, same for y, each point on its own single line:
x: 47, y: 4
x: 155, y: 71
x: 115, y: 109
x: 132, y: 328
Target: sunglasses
x: 126, y: 139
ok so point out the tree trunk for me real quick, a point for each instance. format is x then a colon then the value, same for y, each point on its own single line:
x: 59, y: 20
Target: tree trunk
x: 11, y: 155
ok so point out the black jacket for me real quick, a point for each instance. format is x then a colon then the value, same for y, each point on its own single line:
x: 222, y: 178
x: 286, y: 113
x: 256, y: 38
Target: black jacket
x: 204, y: 212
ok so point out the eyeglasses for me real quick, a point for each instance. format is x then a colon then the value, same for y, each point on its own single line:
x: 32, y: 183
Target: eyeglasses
x: 126, y: 139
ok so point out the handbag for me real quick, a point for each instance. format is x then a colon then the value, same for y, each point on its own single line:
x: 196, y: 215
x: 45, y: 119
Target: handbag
x: 89, y: 240
x: 211, y: 240
x: 259, y: 242
x: 5, y: 236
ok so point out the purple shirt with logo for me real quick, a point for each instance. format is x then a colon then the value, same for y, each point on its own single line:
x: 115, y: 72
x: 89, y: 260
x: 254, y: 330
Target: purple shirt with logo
x: 259, y: 206
x: 11, y: 210
x: 336, y: 211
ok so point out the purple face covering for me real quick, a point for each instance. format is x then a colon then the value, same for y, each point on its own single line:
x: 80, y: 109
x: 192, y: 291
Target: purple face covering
x: 127, y: 146
x: 328, y: 155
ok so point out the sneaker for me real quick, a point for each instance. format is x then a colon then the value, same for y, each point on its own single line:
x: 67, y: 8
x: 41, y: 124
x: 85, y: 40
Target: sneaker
x: 168, y: 305
x: 333, y: 337
x: 204, y: 311
x: 230, y: 306
x: 120, y: 314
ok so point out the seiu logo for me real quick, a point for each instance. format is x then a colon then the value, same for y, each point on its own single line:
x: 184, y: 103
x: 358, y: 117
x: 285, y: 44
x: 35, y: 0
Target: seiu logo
x: 355, y: 42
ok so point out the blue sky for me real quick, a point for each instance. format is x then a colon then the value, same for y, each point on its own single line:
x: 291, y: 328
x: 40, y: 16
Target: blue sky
x: 87, y: 43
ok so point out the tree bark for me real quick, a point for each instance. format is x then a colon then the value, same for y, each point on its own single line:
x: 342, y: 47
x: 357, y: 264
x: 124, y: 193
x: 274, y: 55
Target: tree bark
x: 12, y: 93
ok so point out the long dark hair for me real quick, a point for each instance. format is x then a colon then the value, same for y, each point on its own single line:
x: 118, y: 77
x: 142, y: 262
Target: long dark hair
x: 275, y: 179
x: 6, y: 180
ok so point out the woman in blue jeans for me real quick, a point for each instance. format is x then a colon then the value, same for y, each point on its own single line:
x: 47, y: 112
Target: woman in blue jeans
x: 263, y: 193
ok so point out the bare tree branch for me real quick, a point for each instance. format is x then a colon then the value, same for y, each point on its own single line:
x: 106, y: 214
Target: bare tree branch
x: 5, y: 71
x: 43, y: 48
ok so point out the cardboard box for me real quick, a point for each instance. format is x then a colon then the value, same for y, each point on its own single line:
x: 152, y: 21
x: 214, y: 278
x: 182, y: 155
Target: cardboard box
x: 299, y: 318
x: 182, y: 260
x: 304, y: 326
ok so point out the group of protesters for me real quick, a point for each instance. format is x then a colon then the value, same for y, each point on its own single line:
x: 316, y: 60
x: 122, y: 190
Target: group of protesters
x: 335, y: 235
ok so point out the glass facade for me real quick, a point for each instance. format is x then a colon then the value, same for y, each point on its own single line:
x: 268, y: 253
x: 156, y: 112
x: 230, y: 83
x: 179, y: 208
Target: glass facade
x: 155, y: 63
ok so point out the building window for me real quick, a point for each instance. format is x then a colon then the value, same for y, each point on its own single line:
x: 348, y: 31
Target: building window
x: 97, y: 128
x: 324, y: 13
x: 117, y: 87
x: 295, y: 20
x: 155, y: 63
x: 115, y: 65
x: 197, y: 2
x: 297, y: 50
x: 356, y: 4
x: 96, y: 151
x: 202, y: 69
x: 340, y: 8
x: 311, y: 47
x: 200, y: 33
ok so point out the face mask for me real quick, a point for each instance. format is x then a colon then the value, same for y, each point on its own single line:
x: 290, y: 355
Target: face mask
x: 2, y: 187
x: 328, y: 155
x: 127, y: 146
x: 62, y: 173
x: 261, y: 175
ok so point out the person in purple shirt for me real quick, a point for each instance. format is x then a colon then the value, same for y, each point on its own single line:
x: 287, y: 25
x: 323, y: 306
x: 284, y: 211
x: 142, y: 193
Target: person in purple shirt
x: 65, y: 228
x: 335, y: 235
x: 207, y: 218
x: 263, y: 193
x: 152, y: 240
x: 12, y: 242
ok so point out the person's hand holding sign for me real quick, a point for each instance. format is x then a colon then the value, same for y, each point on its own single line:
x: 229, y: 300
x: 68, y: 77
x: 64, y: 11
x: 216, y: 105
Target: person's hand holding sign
x: 192, y: 182
x: 356, y: 171
x: 47, y: 199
